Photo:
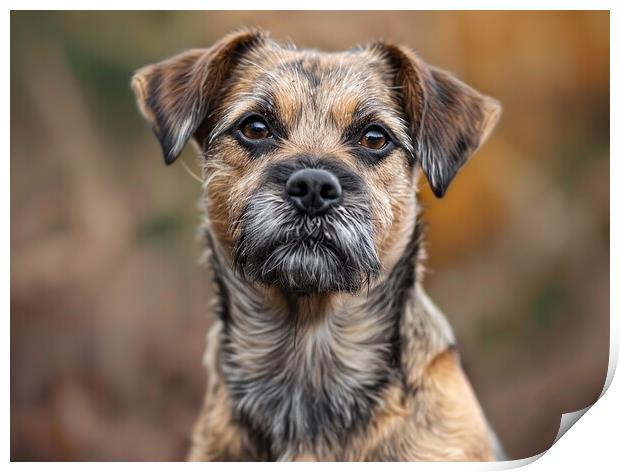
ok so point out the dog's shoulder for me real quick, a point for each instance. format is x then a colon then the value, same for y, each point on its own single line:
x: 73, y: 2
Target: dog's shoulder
x: 453, y: 409
x: 440, y: 419
x: 444, y: 418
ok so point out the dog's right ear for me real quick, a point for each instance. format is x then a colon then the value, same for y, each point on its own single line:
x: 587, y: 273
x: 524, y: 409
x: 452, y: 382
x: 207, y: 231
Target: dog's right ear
x: 175, y: 95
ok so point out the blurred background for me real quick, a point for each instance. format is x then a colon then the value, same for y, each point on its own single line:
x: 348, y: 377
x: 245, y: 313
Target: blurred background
x: 109, y: 306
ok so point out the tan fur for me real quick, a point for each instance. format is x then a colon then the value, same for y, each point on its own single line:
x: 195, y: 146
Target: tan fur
x: 429, y: 412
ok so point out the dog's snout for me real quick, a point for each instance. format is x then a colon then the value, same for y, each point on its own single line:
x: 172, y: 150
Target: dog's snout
x: 313, y: 191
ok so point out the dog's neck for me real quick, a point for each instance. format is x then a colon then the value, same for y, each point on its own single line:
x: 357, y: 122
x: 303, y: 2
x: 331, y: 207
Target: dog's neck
x: 303, y: 371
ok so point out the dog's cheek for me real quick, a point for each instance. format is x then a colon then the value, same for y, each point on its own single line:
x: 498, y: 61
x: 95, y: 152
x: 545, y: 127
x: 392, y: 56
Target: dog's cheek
x: 218, y: 194
x: 225, y: 194
x: 225, y: 197
x: 382, y: 215
x: 394, y: 201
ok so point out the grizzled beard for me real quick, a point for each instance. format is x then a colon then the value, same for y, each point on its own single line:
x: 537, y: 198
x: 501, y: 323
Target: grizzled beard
x: 297, y: 388
x: 300, y: 254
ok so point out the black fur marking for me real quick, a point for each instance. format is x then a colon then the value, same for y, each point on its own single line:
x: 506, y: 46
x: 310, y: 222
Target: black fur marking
x: 279, y: 173
x: 259, y: 439
x: 308, y: 70
x: 223, y: 297
x: 404, y: 277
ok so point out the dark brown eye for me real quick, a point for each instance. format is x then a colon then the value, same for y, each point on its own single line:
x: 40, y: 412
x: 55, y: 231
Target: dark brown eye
x: 255, y: 128
x: 374, y: 138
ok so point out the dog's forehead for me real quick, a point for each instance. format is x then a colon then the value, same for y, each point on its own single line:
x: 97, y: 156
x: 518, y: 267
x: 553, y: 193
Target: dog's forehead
x: 311, y: 88
x: 306, y: 70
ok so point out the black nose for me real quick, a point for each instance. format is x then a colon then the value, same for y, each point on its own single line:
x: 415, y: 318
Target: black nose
x: 313, y: 191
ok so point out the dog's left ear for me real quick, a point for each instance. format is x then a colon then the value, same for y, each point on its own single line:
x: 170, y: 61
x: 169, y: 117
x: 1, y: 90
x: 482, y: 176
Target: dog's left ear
x: 176, y: 95
x: 449, y: 119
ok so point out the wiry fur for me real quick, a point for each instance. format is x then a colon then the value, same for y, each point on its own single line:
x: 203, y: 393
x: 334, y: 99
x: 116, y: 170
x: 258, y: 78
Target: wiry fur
x: 307, y: 254
x: 325, y: 345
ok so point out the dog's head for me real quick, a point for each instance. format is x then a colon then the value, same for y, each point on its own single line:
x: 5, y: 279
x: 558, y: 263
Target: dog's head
x: 310, y: 157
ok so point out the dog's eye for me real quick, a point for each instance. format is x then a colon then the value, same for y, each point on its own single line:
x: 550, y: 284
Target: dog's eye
x: 374, y: 138
x: 255, y: 128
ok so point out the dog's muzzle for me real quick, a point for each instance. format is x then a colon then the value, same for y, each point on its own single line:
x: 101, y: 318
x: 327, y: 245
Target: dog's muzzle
x: 308, y: 229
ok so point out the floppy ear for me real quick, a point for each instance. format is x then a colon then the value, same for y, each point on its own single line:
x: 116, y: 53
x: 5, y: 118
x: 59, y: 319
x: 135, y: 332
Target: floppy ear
x: 449, y: 119
x: 176, y: 95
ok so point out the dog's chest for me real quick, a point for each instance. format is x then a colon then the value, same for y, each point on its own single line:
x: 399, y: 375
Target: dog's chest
x: 307, y: 387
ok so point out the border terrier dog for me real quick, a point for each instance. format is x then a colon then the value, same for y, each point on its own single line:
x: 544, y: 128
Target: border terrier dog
x: 325, y: 346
